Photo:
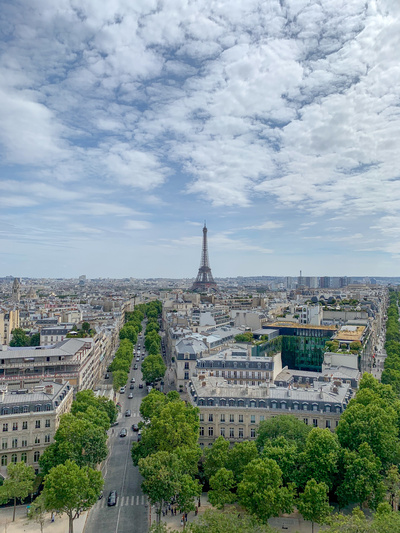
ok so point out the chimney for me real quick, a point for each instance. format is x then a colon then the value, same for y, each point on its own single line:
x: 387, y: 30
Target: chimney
x: 203, y: 383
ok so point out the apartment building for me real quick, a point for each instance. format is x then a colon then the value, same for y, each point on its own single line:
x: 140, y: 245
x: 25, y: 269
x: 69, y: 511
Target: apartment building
x: 29, y: 418
x: 235, y: 411
x: 72, y: 360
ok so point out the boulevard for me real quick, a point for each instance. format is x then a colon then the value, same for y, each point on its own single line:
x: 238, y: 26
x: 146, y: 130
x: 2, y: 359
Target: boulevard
x: 131, y: 510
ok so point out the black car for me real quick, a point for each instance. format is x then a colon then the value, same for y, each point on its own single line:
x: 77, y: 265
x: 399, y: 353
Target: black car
x: 135, y: 427
x: 131, y: 386
x: 112, y: 498
x: 140, y: 385
x: 107, y: 376
x: 123, y: 432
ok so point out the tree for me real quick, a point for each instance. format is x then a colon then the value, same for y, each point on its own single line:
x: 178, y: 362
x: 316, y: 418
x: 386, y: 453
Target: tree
x: 189, y: 489
x: 244, y: 337
x: 35, y: 339
x: 86, y: 400
x: 77, y: 439
x: 221, y: 485
x: 154, y: 348
x: 18, y: 484
x: 71, y: 490
x: 313, y: 502
x: 85, y: 326
x: 153, y: 368
x: 261, y: 491
x: 362, y: 481
x: 19, y: 338
x: 288, y: 426
x: 392, y: 483
x: 119, y: 379
x: 160, y: 478
x: 240, y: 456
x: 286, y: 455
x: 216, y: 457
x: 213, y: 521
x: 320, y: 457
x: 357, y: 522
x: 152, y: 404
x: 37, y: 512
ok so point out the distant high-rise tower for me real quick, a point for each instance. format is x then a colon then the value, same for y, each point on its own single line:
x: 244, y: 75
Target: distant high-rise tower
x: 204, y: 280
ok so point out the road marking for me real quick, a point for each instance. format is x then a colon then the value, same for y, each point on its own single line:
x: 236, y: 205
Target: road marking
x: 137, y: 500
x: 142, y: 499
x: 133, y: 500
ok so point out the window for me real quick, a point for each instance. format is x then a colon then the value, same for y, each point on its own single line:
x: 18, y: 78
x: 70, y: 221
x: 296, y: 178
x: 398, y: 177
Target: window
x: 4, y: 444
x: 328, y: 408
x: 240, y: 433
x: 37, y: 440
x: 14, y: 458
x: 328, y: 424
x: 240, y: 419
x: 262, y: 418
x: 337, y: 423
x: 14, y: 443
x: 47, y: 438
x: 24, y: 425
x: 273, y: 405
x: 315, y: 407
x: 5, y: 427
x: 337, y: 409
x: 222, y: 418
x: 24, y: 457
x: 201, y: 418
x: 231, y: 418
x: 283, y: 405
x: 37, y: 408
x: 186, y: 366
x: 305, y: 420
x: 48, y: 407
x: 222, y: 432
x: 15, y: 426
x: 37, y: 424
x: 315, y: 422
x: 25, y: 409
x: 211, y: 417
x: 231, y: 432
x: 296, y: 406
x: 186, y: 375
x: 201, y: 431
x: 24, y: 443
x: 210, y: 431
x: 252, y: 419
x: 252, y: 433
x: 36, y: 457
x: 4, y: 460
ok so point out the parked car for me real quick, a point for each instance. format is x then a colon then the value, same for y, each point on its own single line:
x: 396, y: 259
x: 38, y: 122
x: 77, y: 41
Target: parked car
x: 123, y: 432
x: 128, y: 412
x: 107, y: 376
x: 114, y: 424
x: 135, y: 427
x: 112, y: 498
x: 133, y: 380
x: 130, y: 396
x: 122, y: 390
x: 140, y: 385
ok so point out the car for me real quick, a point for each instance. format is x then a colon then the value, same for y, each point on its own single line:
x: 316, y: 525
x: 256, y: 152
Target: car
x: 128, y: 412
x: 131, y: 386
x: 123, y: 432
x: 140, y: 385
x: 139, y: 437
x: 135, y: 367
x: 112, y: 498
x: 107, y: 376
x: 122, y: 390
x: 143, y: 358
x: 114, y: 424
x: 137, y: 359
x: 149, y: 388
x: 135, y: 427
x: 130, y: 396
x: 133, y: 380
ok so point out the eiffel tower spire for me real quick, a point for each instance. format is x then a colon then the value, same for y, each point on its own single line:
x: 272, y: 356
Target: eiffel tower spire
x: 204, y: 280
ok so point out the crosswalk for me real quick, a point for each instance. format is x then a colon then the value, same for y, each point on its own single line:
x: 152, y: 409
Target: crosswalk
x: 125, y: 501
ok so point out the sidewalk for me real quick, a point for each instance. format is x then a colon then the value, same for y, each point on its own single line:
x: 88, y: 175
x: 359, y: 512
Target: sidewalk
x: 293, y: 523
x: 22, y: 524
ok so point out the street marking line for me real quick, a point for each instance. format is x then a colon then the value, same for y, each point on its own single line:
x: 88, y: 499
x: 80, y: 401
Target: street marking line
x: 133, y: 500
x: 137, y: 500
x: 142, y: 499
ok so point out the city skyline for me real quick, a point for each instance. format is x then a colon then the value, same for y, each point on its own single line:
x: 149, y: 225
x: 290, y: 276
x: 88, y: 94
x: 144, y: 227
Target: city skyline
x: 124, y: 128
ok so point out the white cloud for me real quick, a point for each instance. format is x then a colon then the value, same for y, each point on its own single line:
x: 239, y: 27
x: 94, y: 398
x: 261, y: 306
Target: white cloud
x: 137, y: 224
x: 269, y: 224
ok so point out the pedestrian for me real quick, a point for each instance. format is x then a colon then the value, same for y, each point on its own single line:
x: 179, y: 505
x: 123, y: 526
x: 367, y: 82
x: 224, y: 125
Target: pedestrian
x: 52, y: 517
x: 175, y: 511
x: 199, y: 501
x: 185, y: 517
x: 196, y: 511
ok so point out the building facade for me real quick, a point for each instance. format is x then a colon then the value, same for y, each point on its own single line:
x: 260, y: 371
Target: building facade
x: 29, y: 419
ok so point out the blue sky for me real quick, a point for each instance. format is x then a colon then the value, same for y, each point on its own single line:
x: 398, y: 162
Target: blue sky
x: 124, y: 125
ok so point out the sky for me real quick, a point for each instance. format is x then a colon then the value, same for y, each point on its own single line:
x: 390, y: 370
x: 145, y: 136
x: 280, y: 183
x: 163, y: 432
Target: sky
x: 124, y: 125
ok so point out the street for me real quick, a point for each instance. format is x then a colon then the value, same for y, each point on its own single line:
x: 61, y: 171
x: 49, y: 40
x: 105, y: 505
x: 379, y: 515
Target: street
x: 131, y: 511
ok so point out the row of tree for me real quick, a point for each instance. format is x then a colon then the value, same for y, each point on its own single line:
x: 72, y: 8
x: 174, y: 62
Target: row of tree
x: 121, y: 363
x: 391, y: 372
x: 153, y: 367
x: 168, y: 453
x: 71, y: 482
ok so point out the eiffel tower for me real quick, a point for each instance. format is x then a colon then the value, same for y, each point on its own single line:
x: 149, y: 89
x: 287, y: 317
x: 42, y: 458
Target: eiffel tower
x: 204, y: 280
